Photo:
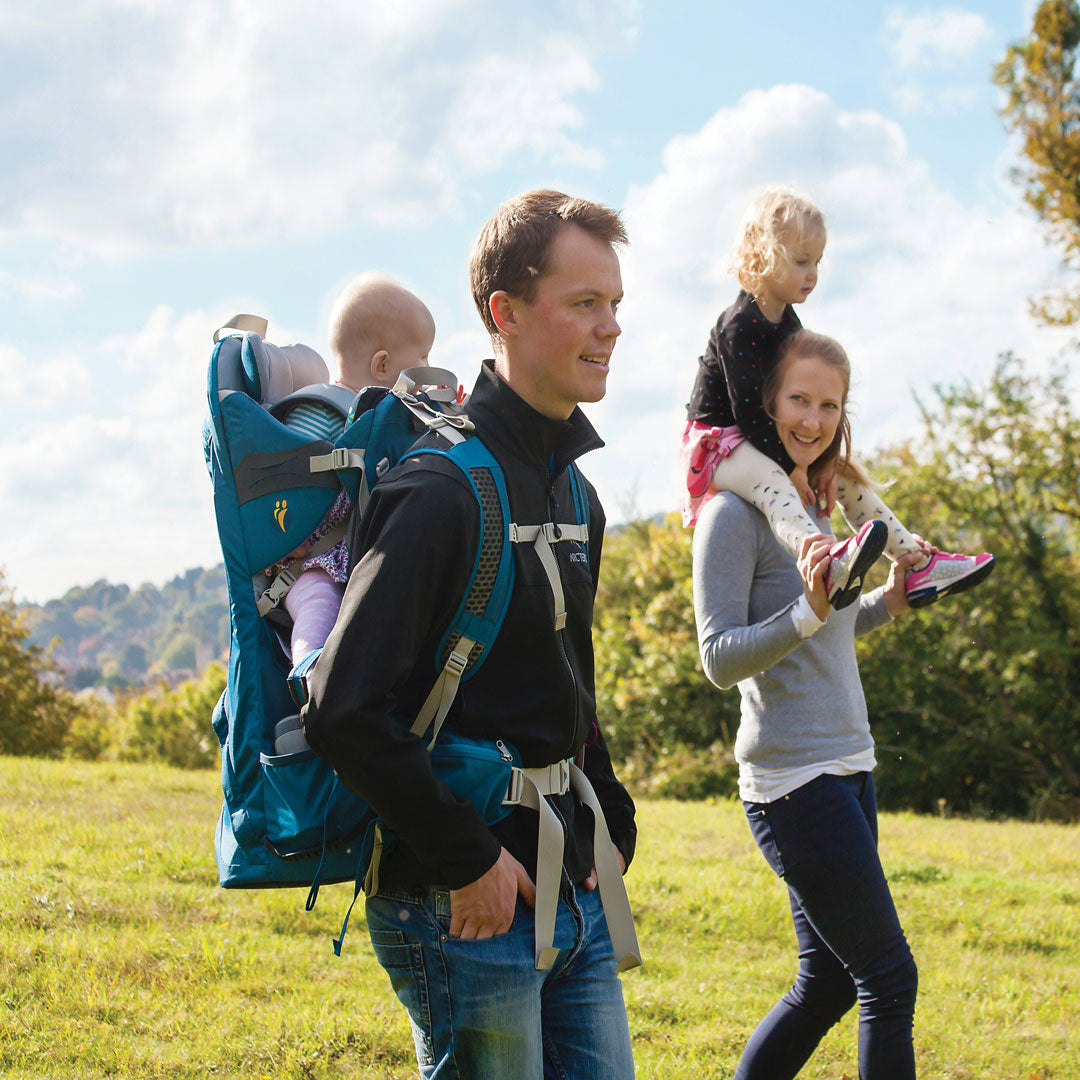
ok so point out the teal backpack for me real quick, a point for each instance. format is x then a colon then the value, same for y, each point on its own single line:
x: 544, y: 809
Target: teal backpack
x: 286, y: 820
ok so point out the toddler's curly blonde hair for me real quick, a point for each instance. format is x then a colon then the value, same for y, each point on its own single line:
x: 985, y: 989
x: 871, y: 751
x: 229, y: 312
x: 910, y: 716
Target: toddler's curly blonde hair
x: 773, y: 229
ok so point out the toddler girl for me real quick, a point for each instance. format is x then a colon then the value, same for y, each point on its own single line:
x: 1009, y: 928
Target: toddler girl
x: 730, y: 441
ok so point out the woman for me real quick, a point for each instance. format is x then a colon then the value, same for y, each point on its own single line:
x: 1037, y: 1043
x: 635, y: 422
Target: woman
x: 804, y: 746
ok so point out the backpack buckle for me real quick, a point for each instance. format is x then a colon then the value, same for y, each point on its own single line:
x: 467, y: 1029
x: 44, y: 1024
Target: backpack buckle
x: 515, y: 788
x: 456, y: 663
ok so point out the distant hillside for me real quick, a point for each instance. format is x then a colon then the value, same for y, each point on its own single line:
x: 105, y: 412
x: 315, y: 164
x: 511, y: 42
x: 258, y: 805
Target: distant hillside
x: 116, y: 636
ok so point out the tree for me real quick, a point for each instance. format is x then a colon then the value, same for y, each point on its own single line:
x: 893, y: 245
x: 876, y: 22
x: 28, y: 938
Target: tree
x: 973, y: 701
x: 35, y: 713
x: 657, y: 707
x: 1042, y: 104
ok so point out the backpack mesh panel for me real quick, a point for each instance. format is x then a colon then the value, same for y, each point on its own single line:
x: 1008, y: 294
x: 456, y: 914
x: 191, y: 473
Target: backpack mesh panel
x: 491, y: 544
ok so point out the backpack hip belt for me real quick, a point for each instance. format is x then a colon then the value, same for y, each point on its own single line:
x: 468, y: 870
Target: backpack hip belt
x: 528, y: 788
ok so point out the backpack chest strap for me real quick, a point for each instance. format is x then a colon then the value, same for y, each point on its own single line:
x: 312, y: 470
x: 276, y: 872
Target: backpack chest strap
x: 542, y: 537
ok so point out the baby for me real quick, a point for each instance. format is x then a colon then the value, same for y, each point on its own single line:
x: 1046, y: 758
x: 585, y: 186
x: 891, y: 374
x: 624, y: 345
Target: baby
x: 377, y: 329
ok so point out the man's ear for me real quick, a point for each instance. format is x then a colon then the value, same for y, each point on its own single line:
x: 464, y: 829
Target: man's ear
x: 503, y: 308
x: 380, y: 365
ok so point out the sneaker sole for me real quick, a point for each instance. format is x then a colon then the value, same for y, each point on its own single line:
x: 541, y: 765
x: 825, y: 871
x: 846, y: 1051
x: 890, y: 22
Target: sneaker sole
x: 871, y: 551
x: 921, y: 598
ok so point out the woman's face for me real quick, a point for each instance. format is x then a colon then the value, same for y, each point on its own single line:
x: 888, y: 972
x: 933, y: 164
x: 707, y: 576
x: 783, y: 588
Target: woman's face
x: 808, y: 407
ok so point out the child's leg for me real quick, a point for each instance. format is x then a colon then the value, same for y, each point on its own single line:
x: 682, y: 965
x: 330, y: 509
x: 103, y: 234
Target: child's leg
x: 312, y: 603
x: 752, y: 476
x: 934, y: 576
x: 861, y: 503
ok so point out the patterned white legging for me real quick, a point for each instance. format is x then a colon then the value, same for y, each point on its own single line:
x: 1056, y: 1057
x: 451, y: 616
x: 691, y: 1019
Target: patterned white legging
x: 752, y: 476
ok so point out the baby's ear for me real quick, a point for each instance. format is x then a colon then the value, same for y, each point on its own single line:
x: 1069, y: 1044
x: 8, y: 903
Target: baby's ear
x: 380, y: 365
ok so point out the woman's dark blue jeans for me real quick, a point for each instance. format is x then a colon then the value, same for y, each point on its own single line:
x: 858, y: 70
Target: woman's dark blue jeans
x: 822, y: 840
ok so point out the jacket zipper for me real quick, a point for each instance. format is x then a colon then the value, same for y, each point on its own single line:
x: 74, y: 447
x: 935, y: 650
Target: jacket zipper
x: 553, y: 508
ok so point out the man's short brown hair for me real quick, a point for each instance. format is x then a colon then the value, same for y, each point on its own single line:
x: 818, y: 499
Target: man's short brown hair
x: 511, y: 253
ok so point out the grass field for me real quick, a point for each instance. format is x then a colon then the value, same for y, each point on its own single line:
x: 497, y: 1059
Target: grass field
x: 120, y: 956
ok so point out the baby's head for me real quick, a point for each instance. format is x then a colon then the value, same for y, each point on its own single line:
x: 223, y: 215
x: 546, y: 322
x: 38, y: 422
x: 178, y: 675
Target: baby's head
x: 779, y: 229
x: 377, y: 329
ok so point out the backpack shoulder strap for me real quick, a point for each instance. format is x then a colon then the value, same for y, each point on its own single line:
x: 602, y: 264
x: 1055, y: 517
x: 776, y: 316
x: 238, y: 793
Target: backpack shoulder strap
x: 482, y: 609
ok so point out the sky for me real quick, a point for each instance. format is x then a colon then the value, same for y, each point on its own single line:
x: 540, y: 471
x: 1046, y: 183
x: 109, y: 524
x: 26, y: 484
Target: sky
x: 167, y: 165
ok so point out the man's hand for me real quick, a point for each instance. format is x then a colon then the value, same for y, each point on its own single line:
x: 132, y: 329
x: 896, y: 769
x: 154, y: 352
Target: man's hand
x: 486, y: 906
x: 590, y: 882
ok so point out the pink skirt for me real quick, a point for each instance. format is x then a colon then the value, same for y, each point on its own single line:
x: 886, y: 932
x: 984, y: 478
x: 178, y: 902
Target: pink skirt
x: 703, y: 448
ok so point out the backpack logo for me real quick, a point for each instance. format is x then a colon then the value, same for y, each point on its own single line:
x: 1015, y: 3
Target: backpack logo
x: 281, y: 508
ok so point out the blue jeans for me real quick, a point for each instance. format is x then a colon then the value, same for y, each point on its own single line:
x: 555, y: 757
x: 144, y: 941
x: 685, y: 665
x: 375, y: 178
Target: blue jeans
x: 481, y: 1011
x: 822, y: 840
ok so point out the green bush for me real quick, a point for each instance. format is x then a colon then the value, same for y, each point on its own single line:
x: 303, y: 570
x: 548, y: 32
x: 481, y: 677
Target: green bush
x: 173, y: 725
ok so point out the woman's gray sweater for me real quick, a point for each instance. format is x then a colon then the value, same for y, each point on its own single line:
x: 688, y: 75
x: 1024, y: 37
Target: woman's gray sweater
x: 802, y: 700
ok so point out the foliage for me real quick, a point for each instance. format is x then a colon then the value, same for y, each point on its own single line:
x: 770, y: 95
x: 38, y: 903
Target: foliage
x: 974, y: 699
x: 173, y: 725
x: 118, y: 636
x: 651, y: 691
x: 120, y: 956
x: 35, y: 713
x: 1042, y: 104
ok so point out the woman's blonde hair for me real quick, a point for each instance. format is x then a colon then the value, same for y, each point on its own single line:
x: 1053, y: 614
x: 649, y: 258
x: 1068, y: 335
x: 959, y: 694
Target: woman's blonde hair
x: 802, y: 345
x: 774, y: 228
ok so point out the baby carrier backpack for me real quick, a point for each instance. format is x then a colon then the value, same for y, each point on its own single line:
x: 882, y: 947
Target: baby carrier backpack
x: 286, y: 820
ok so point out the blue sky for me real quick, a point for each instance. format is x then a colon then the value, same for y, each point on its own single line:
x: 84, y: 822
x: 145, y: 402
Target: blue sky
x: 169, y: 165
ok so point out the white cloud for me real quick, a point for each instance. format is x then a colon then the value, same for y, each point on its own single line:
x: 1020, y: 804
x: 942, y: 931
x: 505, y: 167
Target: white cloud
x: 114, y: 485
x: 37, y: 288
x: 221, y: 121
x: 35, y: 385
x: 939, y: 38
x: 920, y: 288
x: 913, y: 99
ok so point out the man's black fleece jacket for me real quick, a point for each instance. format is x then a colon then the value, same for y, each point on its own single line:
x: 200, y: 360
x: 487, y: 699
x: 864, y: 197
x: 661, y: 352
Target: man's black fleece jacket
x: 412, y: 560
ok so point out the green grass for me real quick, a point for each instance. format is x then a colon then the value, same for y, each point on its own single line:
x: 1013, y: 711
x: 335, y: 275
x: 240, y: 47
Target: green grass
x: 120, y: 956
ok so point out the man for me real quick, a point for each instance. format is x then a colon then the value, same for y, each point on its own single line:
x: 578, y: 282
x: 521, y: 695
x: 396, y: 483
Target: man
x: 452, y: 920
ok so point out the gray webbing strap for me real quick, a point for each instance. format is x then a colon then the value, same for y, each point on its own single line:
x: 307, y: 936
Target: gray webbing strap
x: 528, y: 788
x: 438, y: 702
x: 345, y: 457
x: 266, y: 601
x: 542, y: 537
x: 620, y: 920
x: 449, y: 427
x: 533, y: 785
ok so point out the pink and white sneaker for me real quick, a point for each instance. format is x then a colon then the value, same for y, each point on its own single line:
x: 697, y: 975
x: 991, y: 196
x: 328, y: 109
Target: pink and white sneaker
x: 946, y: 574
x: 851, y: 558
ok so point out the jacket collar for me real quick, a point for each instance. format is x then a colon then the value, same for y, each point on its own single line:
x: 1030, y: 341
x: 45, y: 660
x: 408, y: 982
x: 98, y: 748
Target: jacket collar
x: 502, y: 416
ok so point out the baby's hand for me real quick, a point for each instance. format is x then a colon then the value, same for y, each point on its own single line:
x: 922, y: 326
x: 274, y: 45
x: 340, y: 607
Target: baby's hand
x: 802, y: 486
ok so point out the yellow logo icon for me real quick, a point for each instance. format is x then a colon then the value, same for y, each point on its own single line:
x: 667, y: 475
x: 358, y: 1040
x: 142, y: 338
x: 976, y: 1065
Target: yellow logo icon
x: 281, y: 508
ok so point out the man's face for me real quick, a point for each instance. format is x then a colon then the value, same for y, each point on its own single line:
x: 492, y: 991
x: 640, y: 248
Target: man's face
x: 558, y: 352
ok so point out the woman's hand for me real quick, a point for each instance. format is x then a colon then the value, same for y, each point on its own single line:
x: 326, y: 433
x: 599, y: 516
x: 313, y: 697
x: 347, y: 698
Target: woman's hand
x: 813, y: 563
x: 896, y: 600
